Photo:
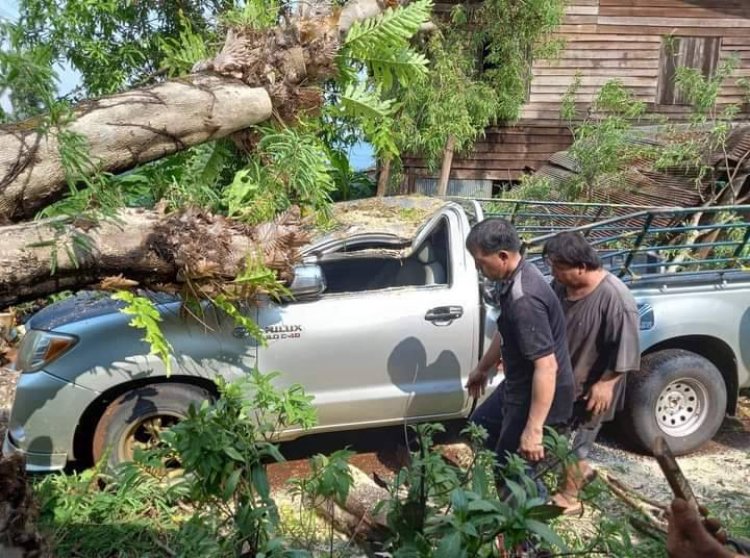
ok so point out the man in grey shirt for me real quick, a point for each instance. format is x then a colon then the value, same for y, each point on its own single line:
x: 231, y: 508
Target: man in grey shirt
x: 602, y: 329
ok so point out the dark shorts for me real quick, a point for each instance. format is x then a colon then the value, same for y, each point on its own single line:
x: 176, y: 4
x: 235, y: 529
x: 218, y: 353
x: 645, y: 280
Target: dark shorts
x: 587, y: 426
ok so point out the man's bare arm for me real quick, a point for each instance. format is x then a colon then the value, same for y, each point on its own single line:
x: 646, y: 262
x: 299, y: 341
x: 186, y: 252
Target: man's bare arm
x: 602, y: 393
x: 542, y: 395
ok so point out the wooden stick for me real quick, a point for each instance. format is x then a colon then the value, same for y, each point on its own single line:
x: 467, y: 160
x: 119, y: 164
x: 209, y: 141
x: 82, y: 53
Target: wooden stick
x: 651, y: 514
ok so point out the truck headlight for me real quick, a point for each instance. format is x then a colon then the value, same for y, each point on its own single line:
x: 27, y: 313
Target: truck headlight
x: 39, y: 348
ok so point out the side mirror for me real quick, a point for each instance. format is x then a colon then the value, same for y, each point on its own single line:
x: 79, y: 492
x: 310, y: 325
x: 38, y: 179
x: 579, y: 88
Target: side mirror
x: 488, y: 289
x: 308, y: 282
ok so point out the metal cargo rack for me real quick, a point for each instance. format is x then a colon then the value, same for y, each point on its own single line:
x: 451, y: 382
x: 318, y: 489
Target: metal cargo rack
x: 638, y: 242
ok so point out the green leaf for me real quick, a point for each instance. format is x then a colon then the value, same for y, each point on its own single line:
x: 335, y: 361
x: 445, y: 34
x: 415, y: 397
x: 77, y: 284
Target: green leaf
x: 392, y: 28
x: 260, y: 481
x: 545, y: 512
x: 147, y: 317
x: 546, y: 533
x: 360, y: 101
x: 468, y: 529
x: 459, y: 500
x: 404, y: 66
x: 232, y: 452
x: 519, y: 494
x: 449, y: 547
x: 231, y: 484
x: 483, y: 506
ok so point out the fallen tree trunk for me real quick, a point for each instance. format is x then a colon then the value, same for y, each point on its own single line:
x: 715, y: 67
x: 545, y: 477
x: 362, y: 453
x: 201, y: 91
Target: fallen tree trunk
x: 43, y: 257
x: 356, y: 518
x: 123, y: 131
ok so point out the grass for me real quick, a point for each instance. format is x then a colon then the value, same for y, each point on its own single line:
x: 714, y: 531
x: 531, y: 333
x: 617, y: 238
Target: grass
x: 91, y: 515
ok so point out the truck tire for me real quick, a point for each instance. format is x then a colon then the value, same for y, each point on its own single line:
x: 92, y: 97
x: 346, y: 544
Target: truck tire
x: 677, y: 394
x: 136, y: 417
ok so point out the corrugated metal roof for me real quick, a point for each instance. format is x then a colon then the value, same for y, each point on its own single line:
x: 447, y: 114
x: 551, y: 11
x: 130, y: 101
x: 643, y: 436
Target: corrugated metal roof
x: 467, y: 188
x: 640, y: 185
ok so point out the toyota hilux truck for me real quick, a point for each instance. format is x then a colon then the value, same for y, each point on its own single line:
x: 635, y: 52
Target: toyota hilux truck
x: 386, y: 320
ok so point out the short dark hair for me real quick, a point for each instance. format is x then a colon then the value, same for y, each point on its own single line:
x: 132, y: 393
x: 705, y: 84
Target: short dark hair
x: 493, y: 235
x: 572, y: 249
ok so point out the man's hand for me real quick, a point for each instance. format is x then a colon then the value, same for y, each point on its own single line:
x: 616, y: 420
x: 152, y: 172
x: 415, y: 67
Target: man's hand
x: 531, y: 447
x: 477, y: 382
x: 601, y: 395
x: 687, y: 535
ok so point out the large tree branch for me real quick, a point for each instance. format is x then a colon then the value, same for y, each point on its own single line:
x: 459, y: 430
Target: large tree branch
x: 123, y: 131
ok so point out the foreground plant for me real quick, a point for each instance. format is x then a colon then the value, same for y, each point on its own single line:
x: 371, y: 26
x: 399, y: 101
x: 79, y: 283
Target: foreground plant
x: 218, y: 504
x: 438, y: 510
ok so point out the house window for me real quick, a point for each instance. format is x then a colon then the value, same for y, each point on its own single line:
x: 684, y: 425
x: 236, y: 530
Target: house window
x: 701, y: 53
x: 485, y: 65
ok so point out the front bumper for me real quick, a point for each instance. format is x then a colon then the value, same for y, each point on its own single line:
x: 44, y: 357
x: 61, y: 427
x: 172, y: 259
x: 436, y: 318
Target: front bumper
x: 46, y: 412
x: 36, y: 462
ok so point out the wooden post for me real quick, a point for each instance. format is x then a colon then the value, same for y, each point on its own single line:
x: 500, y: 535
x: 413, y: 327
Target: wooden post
x: 383, y: 177
x: 445, y: 170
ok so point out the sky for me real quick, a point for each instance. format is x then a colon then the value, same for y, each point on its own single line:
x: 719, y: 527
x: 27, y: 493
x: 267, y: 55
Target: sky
x: 8, y: 9
x: 360, y: 156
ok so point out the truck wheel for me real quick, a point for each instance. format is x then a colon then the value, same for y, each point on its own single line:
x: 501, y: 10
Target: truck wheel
x: 136, y: 418
x: 677, y: 394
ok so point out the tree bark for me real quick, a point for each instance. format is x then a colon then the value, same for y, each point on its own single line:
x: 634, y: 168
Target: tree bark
x: 43, y: 257
x: 123, y: 131
x: 356, y: 518
x: 19, y: 513
x: 383, y: 177
x: 445, y: 170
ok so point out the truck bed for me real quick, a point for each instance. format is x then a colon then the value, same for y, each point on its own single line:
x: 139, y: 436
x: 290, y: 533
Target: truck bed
x: 640, y: 244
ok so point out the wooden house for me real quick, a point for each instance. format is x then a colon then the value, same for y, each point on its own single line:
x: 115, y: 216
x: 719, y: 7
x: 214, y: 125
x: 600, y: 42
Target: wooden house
x: 640, y: 43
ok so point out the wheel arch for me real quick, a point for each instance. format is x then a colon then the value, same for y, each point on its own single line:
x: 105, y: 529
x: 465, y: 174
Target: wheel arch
x: 84, y: 434
x: 718, y: 352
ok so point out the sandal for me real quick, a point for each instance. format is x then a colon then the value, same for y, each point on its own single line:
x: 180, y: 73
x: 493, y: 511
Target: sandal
x: 588, y: 478
x: 567, y: 508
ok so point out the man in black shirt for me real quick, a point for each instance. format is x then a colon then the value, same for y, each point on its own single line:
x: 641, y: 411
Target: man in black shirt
x: 538, y: 388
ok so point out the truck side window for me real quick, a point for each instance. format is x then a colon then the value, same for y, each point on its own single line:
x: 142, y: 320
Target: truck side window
x: 427, y: 265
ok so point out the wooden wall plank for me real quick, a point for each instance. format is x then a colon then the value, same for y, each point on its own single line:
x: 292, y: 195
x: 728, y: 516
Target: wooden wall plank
x: 620, y: 54
x: 599, y: 63
x: 720, y: 5
x: 614, y: 45
x: 642, y: 30
x: 592, y: 9
x: 619, y: 39
x: 673, y: 22
x: 594, y: 81
x: 660, y: 13
x: 593, y: 73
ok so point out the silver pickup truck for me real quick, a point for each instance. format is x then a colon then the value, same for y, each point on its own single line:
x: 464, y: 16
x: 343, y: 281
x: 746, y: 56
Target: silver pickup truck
x: 386, y: 323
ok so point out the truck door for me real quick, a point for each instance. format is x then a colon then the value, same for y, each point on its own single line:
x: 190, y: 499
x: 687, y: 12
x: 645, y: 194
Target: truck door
x: 391, y: 339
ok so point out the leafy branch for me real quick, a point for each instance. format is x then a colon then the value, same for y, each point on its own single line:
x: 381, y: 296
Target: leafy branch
x: 146, y: 316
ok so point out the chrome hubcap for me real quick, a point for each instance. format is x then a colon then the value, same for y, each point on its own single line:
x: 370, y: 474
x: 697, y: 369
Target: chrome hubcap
x: 681, y: 407
x: 146, y: 434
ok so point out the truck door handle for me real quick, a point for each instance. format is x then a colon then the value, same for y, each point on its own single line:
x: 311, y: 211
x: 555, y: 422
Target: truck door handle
x: 444, y: 314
